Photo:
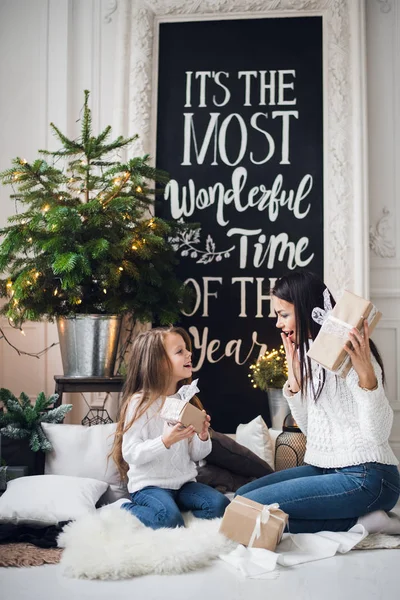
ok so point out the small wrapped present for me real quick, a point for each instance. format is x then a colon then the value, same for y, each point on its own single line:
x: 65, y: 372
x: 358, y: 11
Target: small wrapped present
x: 177, y: 408
x: 350, y: 311
x: 253, y: 524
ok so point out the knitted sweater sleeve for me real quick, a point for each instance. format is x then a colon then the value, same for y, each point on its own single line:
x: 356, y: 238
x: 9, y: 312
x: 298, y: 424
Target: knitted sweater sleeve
x: 199, y: 449
x: 374, y: 411
x: 298, y: 407
x: 138, y: 447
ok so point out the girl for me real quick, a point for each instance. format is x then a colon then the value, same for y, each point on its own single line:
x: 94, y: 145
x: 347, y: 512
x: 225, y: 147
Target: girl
x: 351, y: 475
x: 157, y: 459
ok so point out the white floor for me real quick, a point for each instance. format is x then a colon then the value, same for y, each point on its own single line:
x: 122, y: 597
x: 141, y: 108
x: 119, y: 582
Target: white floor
x: 359, y: 574
x: 366, y: 574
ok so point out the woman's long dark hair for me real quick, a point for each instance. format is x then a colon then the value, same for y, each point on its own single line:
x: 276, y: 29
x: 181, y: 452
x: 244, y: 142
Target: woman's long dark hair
x: 305, y: 291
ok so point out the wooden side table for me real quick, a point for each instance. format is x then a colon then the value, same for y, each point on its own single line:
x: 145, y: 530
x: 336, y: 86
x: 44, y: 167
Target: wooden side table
x: 86, y: 384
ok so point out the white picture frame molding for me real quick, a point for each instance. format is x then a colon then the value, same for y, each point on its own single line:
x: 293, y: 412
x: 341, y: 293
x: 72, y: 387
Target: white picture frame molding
x: 346, y: 226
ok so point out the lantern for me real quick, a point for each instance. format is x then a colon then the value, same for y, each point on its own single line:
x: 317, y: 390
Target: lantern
x: 290, y: 445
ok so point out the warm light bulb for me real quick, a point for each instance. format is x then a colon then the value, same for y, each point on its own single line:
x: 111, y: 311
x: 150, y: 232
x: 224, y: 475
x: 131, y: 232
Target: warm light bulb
x: 104, y: 291
x: 45, y: 208
x: 139, y: 189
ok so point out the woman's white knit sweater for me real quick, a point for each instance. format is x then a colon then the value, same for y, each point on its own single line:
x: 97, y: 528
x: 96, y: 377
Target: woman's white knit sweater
x: 346, y: 425
x: 150, y: 462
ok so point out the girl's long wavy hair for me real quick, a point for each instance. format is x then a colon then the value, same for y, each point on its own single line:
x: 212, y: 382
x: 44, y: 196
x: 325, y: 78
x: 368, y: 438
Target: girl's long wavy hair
x: 305, y: 291
x: 149, y: 374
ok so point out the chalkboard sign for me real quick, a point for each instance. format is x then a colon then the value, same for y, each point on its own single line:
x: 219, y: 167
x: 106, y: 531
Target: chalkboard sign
x: 240, y: 131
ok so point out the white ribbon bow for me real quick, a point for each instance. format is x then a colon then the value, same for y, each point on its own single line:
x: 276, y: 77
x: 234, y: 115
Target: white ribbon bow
x: 262, y: 518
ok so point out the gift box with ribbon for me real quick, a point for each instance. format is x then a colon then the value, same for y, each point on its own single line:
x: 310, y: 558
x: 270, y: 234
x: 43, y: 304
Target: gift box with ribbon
x: 177, y: 408
x: 252, y: 524
x: 350, y: 311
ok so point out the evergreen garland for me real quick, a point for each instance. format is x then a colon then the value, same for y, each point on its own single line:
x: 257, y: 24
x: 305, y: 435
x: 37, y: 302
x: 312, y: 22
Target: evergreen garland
x: 21, y: 419
x: 85, y: 241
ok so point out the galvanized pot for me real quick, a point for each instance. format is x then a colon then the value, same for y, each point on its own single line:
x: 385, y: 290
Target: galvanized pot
x: 278, y: 407
x: 89, y: 344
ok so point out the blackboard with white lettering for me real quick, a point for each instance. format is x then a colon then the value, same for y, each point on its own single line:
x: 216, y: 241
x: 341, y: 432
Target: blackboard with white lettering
x: 240, y: 131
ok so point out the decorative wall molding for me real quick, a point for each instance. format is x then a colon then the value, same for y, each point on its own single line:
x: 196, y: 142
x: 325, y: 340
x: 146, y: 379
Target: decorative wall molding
x: 109, y: 9
x: 379, y: 236
x: 346, y: 201
x: 386, y: 5
x: 394, y: 325
x: 388, y: 293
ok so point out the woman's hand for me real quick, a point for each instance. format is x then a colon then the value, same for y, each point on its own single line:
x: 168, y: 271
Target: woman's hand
x: 203, y: 435
x: 293, y: 364
x: 177, y: 433
x: 360, y: 355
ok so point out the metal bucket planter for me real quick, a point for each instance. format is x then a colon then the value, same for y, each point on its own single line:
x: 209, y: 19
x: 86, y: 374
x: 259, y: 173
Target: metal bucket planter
x: 278, y: 407
x: 89, y: 344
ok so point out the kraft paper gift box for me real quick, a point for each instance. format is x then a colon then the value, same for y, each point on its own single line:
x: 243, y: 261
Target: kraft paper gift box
x: 176, y: 411
x: 327, y: 348
x: 253, y: 524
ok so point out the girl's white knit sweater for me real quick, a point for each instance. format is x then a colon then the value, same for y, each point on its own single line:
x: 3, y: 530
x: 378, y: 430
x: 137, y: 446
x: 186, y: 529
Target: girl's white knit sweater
x: 346, y: 425
x: 150, y: 462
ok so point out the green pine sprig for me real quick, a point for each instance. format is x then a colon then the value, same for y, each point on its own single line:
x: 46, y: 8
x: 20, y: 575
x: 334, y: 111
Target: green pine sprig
x: 20, y: 419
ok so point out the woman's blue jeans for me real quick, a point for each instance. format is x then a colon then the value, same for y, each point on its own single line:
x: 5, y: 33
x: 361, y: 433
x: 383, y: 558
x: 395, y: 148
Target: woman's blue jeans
x: 327, y: 499
x: 157, y: 507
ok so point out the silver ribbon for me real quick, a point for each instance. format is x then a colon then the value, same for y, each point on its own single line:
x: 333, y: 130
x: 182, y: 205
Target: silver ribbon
x: 319, y: 315
x: 173, y: 405
x: 186, y: 392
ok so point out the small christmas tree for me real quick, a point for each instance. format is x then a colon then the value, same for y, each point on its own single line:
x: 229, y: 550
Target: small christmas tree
x: 85, y: 241
x: 21, y: 419
x: 270, y: 370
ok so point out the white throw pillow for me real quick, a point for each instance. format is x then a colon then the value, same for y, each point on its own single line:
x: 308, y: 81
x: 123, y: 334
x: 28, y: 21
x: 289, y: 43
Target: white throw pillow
x: 42, y: 500
x: 256, y: 437
x: 83, y: 452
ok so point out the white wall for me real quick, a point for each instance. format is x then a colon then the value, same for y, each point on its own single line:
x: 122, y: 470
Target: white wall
x: 51, y: 50
x: 383, y: 70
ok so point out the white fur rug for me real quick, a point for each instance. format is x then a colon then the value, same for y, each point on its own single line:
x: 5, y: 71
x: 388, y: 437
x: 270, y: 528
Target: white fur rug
x: 378, y: 540
x: 113, y: 544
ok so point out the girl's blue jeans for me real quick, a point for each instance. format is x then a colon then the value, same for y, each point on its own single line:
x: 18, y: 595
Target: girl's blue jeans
x: 319, y: 499
x: 157, y: 507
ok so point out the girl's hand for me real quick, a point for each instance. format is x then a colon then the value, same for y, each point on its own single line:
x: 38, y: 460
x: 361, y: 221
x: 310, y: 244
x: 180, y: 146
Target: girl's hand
x: 177, y: 433
x: 203, y: 435
x: 293, y: 364
x: 360, y: 355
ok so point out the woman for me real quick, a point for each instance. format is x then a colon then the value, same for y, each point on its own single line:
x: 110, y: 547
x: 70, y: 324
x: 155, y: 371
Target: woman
x: 350, y: 474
